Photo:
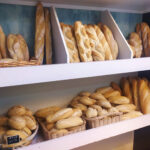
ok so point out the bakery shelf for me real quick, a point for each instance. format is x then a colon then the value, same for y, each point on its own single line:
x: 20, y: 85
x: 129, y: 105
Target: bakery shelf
x: 93, y: 135
x: 57, y: 72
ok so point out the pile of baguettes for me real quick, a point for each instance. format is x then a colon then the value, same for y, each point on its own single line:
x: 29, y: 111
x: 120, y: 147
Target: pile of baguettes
x: 139, y: 41
x: 88, y: 43
x: 14, y: 48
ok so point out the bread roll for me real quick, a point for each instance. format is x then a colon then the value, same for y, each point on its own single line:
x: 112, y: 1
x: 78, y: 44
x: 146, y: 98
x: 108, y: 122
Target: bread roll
x: 111, y: 41
x: 3, y: 121
x: 61, y: 114
x: 68, y: 33
x: 91, y: 112
x: 17, y: 122
x: 84, y: 93
x: 119, y: 100
x: 103, y: 112
x: 103, y: 90
x: 48, y: 39
x: 80, y: 106
x: 97, y: 107
x: 27, y: 130
x: 98, y: 52
x: 69, y: 122
x: 30, y: 122
x: 77, y: 112
x: 115, y: 86
x: 126, y: 89
x: 102, y: 39
x: 44, y: 112
x: 126, y: 108
x: 83, y: 42
x: 18, y: 110
x: 75, y: 100
x: 39, y: 33
x: 87, y: 101
x: 113, y: 110
x: 130, y: 115
x: 112, y: 93
x: 3, y: 44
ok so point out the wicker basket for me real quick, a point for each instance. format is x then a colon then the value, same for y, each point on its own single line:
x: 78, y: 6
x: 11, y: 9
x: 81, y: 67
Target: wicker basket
x: 19, y: 63
x: 103, y: 120
x: 49, y: 135
x: 21, y: 143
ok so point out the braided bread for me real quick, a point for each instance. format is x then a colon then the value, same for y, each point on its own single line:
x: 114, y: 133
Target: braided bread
x: 111, y: 41
x: 48, y: 40
x: 83, y: 42
x: 70, y: 42
x: 3, y: 43
x: 96, y: 46
x: 39, y: 33
x: 102, y: 38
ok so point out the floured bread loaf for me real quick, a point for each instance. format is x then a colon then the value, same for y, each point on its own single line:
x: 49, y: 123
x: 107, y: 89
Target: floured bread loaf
x: 70, y: 42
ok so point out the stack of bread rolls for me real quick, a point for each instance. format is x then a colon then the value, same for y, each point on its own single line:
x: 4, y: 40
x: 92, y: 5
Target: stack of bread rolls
x: 88, y: 43
x: 139, y: 41
x: 18, y: 121
x: 59, y: 121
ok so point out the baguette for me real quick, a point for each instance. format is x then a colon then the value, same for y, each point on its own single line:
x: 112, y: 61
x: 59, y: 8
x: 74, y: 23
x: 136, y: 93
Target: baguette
x: 103, y: 90
x: 87, y: 101
x: 112, y: 93
x: 126, y: 108
x: 80, y: 106
x: 69, y: 122
x: 119, y: 100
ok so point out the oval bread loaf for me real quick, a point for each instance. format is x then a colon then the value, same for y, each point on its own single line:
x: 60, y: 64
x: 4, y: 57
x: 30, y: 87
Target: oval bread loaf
x: 130, y: 115
x: 59, y: 131
x: 85, y: 93
x: 91, y: 112
x: 126, y: 108
x: 111, y: 93
x: 103, y: 90
x: 77, y: 113
x: 80, y: 106
x: 87, y: 101
x: 27, y: 130
x: 69, y: 122
x: 119, y: 100
x: 30, y: 122
x: 61, y: 114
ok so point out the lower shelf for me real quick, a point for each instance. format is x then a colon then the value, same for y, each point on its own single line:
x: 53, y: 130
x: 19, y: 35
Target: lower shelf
x: 92, y: 135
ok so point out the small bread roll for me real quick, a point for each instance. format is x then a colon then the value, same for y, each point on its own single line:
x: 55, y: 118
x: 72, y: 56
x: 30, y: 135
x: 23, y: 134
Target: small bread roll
x: 103, y: 112
x: 130, y: 115
x: 75, y: 100
x: 61, y: 114
x: 112, y: 93
x: 84, y: 93
x: 91, y: 112
x: 27, y: 130
x: 103, y: 90
x: 23, y: 135
x: 49, y: 126
x: 3, y: 121
x: 17, y: 122
x: 80, y: 106
x: 126, y: 108
x: 87, y: 101
x: 119, y: 100
x: 113, y: 110
x: 69, y: 122
x: 30, y: 122
x: 115, y: 86
x: 18, y: 110
x: 97, y: 107
x: 57, y: 131
x: 44, y: 112
x: 77, y: 113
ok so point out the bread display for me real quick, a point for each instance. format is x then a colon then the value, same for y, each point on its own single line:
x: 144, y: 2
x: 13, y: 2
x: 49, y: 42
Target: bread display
x: 39, y: 33
x: 48, y: 38
x: 61, y: 122
x: 18, y: 121
x: 68, y: 32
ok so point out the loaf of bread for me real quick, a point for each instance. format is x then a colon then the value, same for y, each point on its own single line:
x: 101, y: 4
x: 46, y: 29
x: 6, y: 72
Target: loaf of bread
x: 69, y: 122
x: 84, y: 93
x: 111, y: 93
x: 98, y: 52
x: 30, y: 122
x: 113, y: 110
x: 115, y: 86
x: 39, y: 33
x: 80, y: 106
x: 126, y: 108
x: 97, y: 107
x: 91, y: 112
x: 119, y: 100
x: 126, y: 88
x: 111, y: 41
x: 138, y: 30
x: 75, y: 101
x: 48, y: 38
x: 87, y: 101
x: 103, y: 90
x: 77, y: 113
x: 68, y: 33
x: 3, y: 121
x: 61, y: 114
x: 59, y: 131
x: 130, y: 115
x: 83, y: 42
x: 102, y: 39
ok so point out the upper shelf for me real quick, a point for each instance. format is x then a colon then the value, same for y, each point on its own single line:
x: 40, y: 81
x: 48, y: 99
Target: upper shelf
x: 127, y: 5
x: 92, y: 135
x: 57, y: 72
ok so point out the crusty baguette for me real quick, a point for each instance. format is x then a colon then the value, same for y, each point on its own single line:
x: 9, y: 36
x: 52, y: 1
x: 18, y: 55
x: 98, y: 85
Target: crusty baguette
x: 48, y: 38
x: 71, y: 44
x: 3, y: 49
x: 115, y: 86
x: 39, y: 33
x: 98, y: 52
x: 83, y: 42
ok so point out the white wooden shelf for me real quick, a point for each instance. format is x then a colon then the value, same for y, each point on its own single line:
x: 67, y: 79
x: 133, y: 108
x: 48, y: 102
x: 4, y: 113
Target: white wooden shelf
x: 58, y: 72
x: 97, y: 134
